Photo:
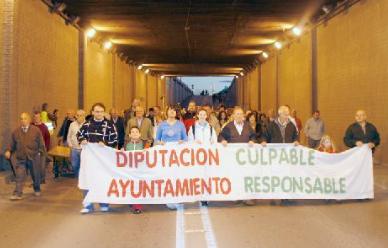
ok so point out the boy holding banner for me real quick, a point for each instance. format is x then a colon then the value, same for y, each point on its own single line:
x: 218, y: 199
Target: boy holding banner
x: 135, y: 144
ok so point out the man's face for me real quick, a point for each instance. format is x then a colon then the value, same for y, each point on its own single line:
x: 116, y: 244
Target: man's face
x: 80, y: 117
x: 98, y: 113
x: 70, y: 114
x: 360, y: 116
x: 25, y: 120
x: 114, y: 114
x: 139, y: 112
x: 316, y: 115
x: 238, y: 115
x: 284, y: 115
x: 191, y: 106
x: 37, y: 119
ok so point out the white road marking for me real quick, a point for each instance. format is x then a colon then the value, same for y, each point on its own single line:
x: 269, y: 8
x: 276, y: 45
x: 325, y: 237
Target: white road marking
x: 180, y: 227
x: 207, y: 225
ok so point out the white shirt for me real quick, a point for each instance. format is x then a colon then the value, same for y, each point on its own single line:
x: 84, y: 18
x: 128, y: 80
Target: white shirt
x: 202, y: 134
x: 239, y: 127
x: 72, y: 135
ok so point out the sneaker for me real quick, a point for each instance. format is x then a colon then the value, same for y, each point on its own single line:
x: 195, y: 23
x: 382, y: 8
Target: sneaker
x: 171, y: 206
x: 104, y: 209
x: 250, y: 202
x: 287, y: 202
x: 16, y: 197
x: 86, y: 210
x: 137, y: 211
x: 37, y: 194
x: 204, y: 203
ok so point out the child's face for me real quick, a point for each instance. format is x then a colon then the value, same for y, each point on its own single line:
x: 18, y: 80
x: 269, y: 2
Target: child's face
x: 135, y: 134
x: 327, y: 143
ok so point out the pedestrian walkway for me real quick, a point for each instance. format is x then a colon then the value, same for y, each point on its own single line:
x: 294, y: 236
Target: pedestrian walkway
x: 54, y: 220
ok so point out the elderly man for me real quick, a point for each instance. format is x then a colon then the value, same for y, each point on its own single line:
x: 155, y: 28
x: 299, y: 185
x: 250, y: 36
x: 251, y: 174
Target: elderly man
x: 144, y: 125
x: 281, y: 130
x: 25, y: 151
x: 72, y: 139
x: 118, y: 121
x: 362, y: 132
x: 314, y: 130
x: 238, y: 131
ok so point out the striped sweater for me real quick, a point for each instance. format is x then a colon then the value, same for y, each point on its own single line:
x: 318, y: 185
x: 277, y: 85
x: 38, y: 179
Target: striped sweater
x: 98, y: 131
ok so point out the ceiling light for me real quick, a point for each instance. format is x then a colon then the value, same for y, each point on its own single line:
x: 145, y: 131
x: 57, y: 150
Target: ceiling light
x: 91, y: 33
x: 278, y: 45
x: 107, y: 45
x: 297, y: 31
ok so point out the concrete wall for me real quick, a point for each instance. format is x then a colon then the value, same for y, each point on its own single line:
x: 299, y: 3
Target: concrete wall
x: 351, y: 73
x: 177, y: 91
x: 294, y: 72
x: 43, y: 65
x: 269, y: 85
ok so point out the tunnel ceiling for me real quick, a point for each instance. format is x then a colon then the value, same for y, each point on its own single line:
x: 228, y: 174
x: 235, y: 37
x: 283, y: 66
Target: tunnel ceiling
x: 192, y: 37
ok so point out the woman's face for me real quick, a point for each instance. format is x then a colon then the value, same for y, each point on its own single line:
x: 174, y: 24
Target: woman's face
x: 171, y: 113
x: 327, y: 143
x: 202, y: 115
x: 252, y: 119
x: 223, y: 115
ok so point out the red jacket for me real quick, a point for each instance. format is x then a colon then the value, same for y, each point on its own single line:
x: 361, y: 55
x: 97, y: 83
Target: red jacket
x: 45, y: 133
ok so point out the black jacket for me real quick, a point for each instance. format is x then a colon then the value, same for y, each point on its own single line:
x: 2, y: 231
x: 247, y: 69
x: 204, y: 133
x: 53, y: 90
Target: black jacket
x: 120, y: 128
x: 273, y: 134
x: 98, y: 131
x: 354, y: 133
x: 231, y: 135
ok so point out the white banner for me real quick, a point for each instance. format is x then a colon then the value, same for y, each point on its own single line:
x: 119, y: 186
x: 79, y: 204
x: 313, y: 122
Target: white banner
x: 189, y: 172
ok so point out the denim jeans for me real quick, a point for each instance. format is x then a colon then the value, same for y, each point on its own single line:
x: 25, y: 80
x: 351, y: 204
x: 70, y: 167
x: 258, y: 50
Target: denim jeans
x: 90, y: 205
x: 75, y: 156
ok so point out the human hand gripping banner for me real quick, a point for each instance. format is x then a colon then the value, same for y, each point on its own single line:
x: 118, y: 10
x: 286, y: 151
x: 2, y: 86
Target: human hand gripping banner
x: 189, y: 172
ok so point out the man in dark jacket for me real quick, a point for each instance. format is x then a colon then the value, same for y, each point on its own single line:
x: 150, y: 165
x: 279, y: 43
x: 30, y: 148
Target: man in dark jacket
x: 64, y: 130
x: 118, y: 121
x: 238, y: 131
x: 362, y: 132
x: 281, y: 130
x: 25, y: 151
x: 189, y: 116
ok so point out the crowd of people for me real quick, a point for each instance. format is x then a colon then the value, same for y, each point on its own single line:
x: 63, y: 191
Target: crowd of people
x: 137, y: 128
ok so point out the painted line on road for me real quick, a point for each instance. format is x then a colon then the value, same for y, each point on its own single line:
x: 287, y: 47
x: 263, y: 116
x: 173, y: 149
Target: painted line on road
x: 207, y: 225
